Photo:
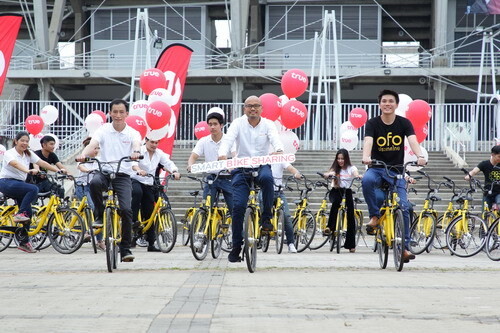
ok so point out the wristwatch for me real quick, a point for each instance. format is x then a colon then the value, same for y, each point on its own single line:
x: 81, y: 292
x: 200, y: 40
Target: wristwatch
x: 421, y: 156
x: 137, y: 151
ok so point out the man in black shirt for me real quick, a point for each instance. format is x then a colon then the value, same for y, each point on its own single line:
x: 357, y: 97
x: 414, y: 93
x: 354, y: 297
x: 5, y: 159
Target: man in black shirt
x: 47, y: 154
x: 491, y: 171
x: 384, y: 140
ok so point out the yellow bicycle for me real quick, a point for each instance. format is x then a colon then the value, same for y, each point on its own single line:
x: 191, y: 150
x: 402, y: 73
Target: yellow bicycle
x: 304, y: 225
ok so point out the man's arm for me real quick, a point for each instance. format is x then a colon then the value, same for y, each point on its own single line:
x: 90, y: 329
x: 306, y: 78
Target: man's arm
x: 228, y: 140
x: 367, y: 150
x: 415, y: 147
x: 274, y: 138
x: 473, y: 172
x: 296, y: 174
x: 93, y: 144
x: 191, y: 161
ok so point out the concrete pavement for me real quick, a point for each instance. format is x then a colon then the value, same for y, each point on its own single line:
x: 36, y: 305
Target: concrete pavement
x: 307, y: 292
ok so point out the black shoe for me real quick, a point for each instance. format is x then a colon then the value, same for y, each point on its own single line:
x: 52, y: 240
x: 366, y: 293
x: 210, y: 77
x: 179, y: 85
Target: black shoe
x: 98, y: 223
x: 267, y: 226
x: 234, y: 255
x: 127, y: 255
x: 152, y: 248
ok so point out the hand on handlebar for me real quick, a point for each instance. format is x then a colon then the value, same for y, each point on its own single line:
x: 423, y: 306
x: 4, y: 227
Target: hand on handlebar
x: 366, y: 160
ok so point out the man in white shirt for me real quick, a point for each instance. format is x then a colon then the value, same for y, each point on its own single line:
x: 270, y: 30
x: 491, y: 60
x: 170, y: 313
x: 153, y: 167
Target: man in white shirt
x: 208, y: 147
x: 143, y: 193
x: 253, y: 136
x: 116, y: 140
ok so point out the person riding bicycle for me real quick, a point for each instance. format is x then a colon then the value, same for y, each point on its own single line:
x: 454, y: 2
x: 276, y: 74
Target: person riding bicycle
x: 253, y: 136
x: 144, y: 195
x: 384, y: 141
x: 116, y: 140
x: 345, y: 172
x: 491, y: 171
x: 208, y: 147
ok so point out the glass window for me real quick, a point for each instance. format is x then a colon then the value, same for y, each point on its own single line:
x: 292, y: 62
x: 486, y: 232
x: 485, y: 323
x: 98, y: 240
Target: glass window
x: 120, y: 29
x: 313, y: 14
x: 350, y: 20
x: 295, y: 23
x: 102, y: 22
x: 277, y: 22
x: 157, y: 21
x: 192, y: 26
x: 174, y: 24
x: 369, y: 22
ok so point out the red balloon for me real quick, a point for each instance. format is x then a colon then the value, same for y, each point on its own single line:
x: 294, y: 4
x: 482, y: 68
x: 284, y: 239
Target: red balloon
x: 421, y: 133
x: 419, y: 113
x: 201, y: 129
x: 271, y: 108
x: 358, y: 117
x: 34, y: 124
x: 158, y: 115
x: 294, y: 82
x: 138, y: 124
x: 293, y: 114
x: 151, y: 79
x: 100, y: 113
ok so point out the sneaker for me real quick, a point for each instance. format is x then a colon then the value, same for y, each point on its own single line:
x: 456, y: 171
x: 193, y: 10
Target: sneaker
x: 98, y: 223
x: 234, y: 255
x: 21, y: 217
x: 153, y: 248
x: 127, y: 255
x: 100, y: 245
x: 267, y: 226
x: 291, y: 248
x: 27, y: 248
x: 86, y: 238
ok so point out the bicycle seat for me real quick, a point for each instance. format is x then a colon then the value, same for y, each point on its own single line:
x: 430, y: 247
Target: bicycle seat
x: 385, y: 186
x: 358, y: 200
x: 297, y: 202
x: 435, y: 198
x: 194, y: 193
x: 44, y: 194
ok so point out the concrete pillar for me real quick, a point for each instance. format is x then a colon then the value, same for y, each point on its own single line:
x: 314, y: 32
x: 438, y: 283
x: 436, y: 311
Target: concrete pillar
x: 43, y: 90
x: 237, y: 90
x: 239, y: 21
x: 440, y: 31
x: 439, y: 100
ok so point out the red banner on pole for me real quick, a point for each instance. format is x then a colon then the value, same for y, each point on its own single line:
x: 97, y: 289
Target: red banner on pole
x: 174, y: 62
x: 9, y: 28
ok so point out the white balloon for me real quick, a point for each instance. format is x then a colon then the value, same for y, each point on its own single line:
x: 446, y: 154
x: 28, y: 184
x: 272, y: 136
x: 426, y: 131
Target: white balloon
x: 404, y: 101
x: 283, y: 100
x: 35, y: 141
x: 93, y: 122
x: 349, y: 140
x: 2, y: 152
x: 279, y: 126
x: 161, y: 94
x: 216, y: 110
x: 49, y: 114
x: 138, y: 108
x: 57, y: 139
x: 157, y: 134
x: 291, y: 142
x: 347, y: 126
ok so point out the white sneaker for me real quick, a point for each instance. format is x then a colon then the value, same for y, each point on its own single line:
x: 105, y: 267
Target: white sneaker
x: 291, y: 248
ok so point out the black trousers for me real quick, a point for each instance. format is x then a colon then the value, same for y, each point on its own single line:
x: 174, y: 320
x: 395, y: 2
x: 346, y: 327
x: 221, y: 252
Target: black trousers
x: 122, y: 187
x: 336, y: 199
x: 143, y: 198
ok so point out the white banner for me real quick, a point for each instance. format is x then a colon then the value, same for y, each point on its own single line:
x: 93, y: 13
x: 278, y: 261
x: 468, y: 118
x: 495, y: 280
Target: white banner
x: 242, y: 162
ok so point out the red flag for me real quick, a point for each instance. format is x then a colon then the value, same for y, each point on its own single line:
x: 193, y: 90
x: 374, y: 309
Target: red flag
x: 9, y: 28
x: 174, y: 62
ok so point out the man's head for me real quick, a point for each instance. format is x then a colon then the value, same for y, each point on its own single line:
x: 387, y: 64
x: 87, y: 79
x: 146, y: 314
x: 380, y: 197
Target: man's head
x: 495, y: 154
x: 388, y: 101
x: 151, y: 145
x: 118, y: 110
x: 48, y: 143
x: 253, y: 107
x: 215, y: 123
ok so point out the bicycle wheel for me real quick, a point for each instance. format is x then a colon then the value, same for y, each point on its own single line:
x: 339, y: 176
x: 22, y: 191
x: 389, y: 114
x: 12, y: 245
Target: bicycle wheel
x: 66, y: 230
x: 466, y: 238
x: 320, y: 238
x: 199, y: 239
x: 439, y: 241
x: 279, y: 238
x: 39, y: 240
x: 305, y: 229
x: 6, y: 237
x: 186, y: 222
x: 216, y: 243
x: 227, y: 234
x: 250, y: 246
x: 398, y: 244
x: 358, y: 217
x: 492, y: 244
x: 339, y: 232
x: 382, y: 248
x: 166, y: 230
x: 109, y: 239
x: 264, y: 242
x: 422, y: 233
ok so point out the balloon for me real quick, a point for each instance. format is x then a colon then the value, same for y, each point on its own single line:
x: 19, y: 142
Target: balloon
x: 151, y: 79
x: 358, y: 117
x: 294, y: 82
x: 291, y: 142
x: 218, y: 110
x: 421, y: 133
x: 139, y: 108
x: 158, y: 115
x: 201, y: 130
x: 34, y: 124
x: 157, y: 134
x: 92, y: 122
x: 100, y: 113
x: 55, y: 138
x: 35, y: 141
x: 419, y: 112
x: 2, y: 152
x: 271, y: 106
x: 293, y: 114
x: 279, y: 125
x: 49, y: 114
x: 283, y: 100
x: 404, y: 100
x: 161, y: 94
x: 347, y: 126
x: 349, y: 140
x: 137, y: 123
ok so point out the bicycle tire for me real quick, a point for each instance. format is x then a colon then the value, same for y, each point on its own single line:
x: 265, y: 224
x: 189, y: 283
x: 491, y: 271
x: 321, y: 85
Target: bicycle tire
x: 250, y: 246
x: 166, y: 230
x: 466, y: 244
x: 227, y: 234
x: 199, y: 240
x: 320, y: 238
x: 439, y: 241
x: 358, y: 218
x: 39, y: 240
x: 304, y: 237
x: 422, y: 233
x: 381, y: 248
x: 280, y: 232
x: 492, y: 244
x: 216, y: 243
x: 264, y: 242
x: 186, y: 222
x: 398, y: 244
x: 68, y: 237
x: 109, y: 239
x: 6, y: 238
x: 341, y: 215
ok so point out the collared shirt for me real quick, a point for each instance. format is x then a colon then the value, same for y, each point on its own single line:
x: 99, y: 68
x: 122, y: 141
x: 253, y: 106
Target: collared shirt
x: 208, y: 148
x: 277, y: 170
x: 250, y: 141
x: 8, y: 171
x: 115, y: 145
x: 150, y: 163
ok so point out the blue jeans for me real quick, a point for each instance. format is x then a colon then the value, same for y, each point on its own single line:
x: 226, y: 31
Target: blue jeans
x: 491, y: 199
x: 372, y: 181
x: 240, y: 179
x: 290, y: 237
x: 84, y: 191
x: 223, y: 184
x: 25, y: 194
